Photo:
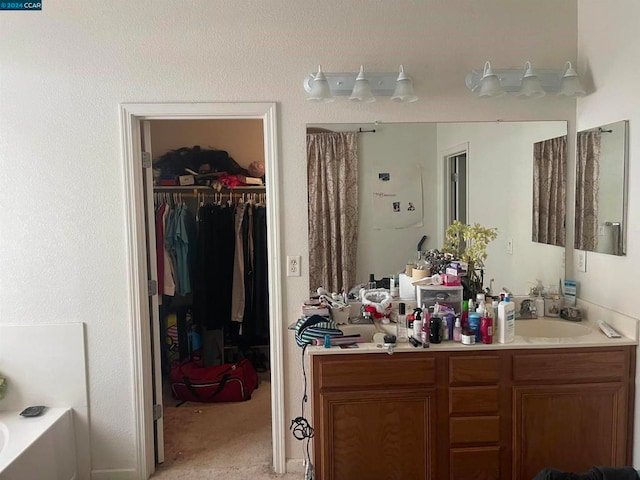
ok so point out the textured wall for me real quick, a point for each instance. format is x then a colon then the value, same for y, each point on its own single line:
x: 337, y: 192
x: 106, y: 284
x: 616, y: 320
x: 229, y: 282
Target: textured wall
x: 608, y: 50
x: 65, y: 70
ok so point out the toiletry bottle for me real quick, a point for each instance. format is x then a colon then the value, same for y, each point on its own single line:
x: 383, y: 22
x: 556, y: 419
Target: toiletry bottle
x: 443, y: 322
x: 539, y: 303
x: 465, y: 313
x: 394, y: 286
x: 480, y: 302
x: 494, y: 315
x: 506, y: 320
x: 435, y: 328
x: 486, y: 329
x: 451, y: 318
x: 402, y: 334
x: 425, y: 325
x: 474, y: 324
x: 457, y: 331
x: 372, y: 282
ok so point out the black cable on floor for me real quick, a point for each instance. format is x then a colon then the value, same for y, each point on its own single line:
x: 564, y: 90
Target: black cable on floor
x: 300, y: 426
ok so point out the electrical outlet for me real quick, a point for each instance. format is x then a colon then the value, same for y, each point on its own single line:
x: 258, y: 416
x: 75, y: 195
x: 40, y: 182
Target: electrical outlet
x: 582, y: 261
x: 510, y: 246
x: 293, y: 265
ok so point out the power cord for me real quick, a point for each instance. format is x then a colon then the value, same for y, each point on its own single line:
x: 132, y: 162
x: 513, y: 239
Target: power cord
x: 301, y: 428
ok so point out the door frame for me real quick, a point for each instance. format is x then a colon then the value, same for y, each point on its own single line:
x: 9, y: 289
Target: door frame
x: 443, y: 174
x: 131, y: 116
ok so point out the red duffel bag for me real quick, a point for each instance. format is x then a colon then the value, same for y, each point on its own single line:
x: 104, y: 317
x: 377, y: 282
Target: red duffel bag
x: 231, y: 382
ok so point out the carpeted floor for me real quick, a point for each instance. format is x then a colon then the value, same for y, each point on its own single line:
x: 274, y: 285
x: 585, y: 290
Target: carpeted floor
x: 230, y: 441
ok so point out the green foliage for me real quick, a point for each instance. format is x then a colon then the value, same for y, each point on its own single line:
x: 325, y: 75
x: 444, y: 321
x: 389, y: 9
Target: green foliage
x: 468, y: 243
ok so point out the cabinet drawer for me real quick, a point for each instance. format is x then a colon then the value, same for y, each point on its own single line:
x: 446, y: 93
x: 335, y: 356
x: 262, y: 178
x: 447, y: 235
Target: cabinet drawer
x: 570, y: 367
x: 374, y: 370
x: 477, y: 463
x: 471, y: 400
x: 474, y: 370
x: 465, y: 430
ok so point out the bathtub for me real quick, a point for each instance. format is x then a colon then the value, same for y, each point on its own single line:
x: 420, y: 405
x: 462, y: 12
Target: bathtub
x: 41, y: 448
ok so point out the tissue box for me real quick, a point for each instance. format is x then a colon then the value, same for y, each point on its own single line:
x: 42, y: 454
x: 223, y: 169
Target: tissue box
x: 407, y: 290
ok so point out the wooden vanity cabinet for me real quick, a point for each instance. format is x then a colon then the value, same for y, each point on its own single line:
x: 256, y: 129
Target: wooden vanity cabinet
x: 572, y: 409
x: 374, y: 416
x: 495, y: 414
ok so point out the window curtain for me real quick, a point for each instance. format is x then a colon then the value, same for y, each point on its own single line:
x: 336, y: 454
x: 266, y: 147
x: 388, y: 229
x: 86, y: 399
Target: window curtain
x: 549, y: 190
x: 332, y: 171
x: 587, y: 176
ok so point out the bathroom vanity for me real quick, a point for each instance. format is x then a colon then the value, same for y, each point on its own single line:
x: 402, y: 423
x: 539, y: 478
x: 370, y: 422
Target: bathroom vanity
x: 473, y: 412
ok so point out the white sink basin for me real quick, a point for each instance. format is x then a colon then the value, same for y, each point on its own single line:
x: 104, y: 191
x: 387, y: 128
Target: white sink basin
x: 550, y: 328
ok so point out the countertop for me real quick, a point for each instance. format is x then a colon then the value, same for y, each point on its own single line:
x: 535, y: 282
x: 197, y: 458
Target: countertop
x: 595, y: 338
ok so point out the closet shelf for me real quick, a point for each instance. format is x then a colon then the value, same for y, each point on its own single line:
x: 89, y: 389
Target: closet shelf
x: 199, y: 188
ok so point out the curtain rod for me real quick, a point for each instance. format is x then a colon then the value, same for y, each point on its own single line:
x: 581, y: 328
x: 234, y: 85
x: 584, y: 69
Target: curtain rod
x: 360, y: 130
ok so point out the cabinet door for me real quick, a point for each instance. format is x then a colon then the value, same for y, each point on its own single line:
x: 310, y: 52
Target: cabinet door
x: 377, y: 435
x: 569, y: 427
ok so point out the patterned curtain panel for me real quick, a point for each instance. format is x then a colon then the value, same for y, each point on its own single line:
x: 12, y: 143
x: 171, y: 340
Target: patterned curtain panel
x: 332, y: 171
x: 549, y: 190
x: 587, y: 176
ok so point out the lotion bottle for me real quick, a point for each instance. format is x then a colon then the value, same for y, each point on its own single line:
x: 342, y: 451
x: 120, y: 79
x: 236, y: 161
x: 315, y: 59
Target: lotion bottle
x: 506, y: 320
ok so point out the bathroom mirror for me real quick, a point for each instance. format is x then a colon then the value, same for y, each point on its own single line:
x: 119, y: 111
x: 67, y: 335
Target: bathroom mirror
x: 601, y: 188
x: 475, y: 171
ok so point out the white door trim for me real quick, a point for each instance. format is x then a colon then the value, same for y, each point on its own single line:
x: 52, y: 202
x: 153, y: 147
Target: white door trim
x: 131, y: 114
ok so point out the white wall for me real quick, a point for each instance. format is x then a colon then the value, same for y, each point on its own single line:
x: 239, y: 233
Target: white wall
x: 608, y: 52
x: 66, y: 69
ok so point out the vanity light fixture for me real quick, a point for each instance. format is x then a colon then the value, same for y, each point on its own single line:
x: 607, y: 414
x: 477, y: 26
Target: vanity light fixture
x: 525, y: 83
x: 531, y: 86
x: 570, y: 83
x: 319, y: 90
x: 359, y: 87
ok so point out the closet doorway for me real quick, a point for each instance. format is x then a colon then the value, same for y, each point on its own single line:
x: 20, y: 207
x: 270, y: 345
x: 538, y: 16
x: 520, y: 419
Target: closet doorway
x: 148, y: 338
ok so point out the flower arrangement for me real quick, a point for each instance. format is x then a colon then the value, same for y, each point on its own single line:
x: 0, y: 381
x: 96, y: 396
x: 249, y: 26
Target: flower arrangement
x: 468, y: 243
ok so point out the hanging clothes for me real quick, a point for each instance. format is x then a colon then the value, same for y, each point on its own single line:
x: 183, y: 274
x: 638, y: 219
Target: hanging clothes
x: 260, y: 273
x: 213, y: 276
x: 238, y: 293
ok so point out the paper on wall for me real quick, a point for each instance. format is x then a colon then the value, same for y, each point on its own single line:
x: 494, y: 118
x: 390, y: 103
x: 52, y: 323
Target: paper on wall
x: 397, y: 197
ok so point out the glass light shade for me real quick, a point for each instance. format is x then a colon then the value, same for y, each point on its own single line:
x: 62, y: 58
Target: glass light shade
x: 570, y: 85
x: 531, y: 86
x: 490, y: 85
x: 361, y: 89
x: 404, y: 89
x: 320, y: 91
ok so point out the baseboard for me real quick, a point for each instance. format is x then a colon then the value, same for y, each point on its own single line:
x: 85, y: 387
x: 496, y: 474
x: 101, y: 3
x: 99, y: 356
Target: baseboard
x: 295, y: 465
x: 120, y: 474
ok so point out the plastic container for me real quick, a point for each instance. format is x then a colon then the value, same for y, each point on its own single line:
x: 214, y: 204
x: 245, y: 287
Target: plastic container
x: 506, y: 320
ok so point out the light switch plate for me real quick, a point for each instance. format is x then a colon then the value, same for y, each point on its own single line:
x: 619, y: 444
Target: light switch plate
x: 293, y: 265
x: 510, y: 246
x: 582, y: 261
